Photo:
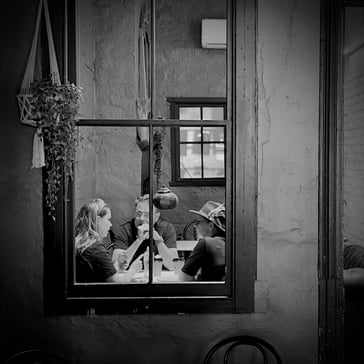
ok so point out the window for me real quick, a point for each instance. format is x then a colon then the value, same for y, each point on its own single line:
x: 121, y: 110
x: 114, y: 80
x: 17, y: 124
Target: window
x: 198, y: 154
x: 109, y: 119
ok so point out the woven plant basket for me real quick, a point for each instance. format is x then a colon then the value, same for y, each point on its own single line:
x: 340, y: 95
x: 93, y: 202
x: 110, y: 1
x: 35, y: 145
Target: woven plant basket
x: 25, y: 96
x: 26, y: 109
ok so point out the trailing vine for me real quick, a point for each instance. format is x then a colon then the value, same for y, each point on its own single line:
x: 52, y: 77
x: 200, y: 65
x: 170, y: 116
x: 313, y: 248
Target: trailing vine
x: 56, y: 108
x: 157, y: 149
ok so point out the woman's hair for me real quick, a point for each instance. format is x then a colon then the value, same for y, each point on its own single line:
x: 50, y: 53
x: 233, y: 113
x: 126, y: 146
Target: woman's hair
x: 86, y: 223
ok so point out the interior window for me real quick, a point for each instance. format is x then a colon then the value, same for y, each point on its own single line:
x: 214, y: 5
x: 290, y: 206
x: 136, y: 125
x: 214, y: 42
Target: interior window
x: 126, y: 70
x: 99, y: 168
x: 198, y: 154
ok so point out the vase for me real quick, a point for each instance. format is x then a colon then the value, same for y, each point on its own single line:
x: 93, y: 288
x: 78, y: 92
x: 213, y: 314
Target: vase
x: 165, y: 199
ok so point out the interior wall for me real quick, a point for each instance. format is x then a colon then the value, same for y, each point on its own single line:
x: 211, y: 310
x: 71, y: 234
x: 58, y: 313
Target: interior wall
x: 288, y: 85
x: 109, y: 160
x: 107, y: 72
x: 184, y: 69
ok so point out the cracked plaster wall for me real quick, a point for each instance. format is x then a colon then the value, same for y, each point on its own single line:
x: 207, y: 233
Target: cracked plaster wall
x: 353, y: 134
x: 288, y: 94
x: 288, y: 85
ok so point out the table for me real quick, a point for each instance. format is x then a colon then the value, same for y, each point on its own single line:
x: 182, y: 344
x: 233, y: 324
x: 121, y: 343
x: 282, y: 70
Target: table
x: 186, y: 245
x: 165, y: 277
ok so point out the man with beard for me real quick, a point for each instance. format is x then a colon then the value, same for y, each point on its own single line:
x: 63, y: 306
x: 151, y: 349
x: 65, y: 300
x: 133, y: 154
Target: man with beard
x: 131, y: 239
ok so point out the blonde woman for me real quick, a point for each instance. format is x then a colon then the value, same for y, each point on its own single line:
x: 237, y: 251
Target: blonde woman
x: 93, y: 261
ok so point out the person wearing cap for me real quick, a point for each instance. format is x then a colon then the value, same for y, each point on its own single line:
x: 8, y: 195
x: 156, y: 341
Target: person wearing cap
x: 132, y: 238
x: 207, y: 260
x: 93, y: 261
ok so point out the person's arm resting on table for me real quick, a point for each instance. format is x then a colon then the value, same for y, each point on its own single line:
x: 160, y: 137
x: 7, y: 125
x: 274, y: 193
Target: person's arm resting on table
x: 127, y: 276
x: 122, y: 238
x: 167, y: 254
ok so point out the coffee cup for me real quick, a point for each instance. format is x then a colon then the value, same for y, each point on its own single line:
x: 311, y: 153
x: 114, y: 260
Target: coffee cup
x: 157, y: 266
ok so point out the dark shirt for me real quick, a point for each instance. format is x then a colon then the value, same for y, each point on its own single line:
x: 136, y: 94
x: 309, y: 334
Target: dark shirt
x: 94, y: 264
x: 209, y: 255
x: 127, y: 233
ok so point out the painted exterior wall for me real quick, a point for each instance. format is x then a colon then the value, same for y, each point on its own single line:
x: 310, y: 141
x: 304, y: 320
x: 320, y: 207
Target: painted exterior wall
x: 288, y: 102
x: 353, y: 157
x: 353, y: 165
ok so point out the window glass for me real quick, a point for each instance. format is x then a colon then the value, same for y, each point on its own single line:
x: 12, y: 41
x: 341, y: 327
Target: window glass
x: 101, y: 173
x: 213, y: 160
x: 212, y: 113
x: 190, y: 134
x: 202, y: 258
x: 182, y: 67
x: 189, y: 113
x: 213, y: 134
x: 190, y: 161
x: 198, y: 153
x: 112, y: 217
x: 116, y: 160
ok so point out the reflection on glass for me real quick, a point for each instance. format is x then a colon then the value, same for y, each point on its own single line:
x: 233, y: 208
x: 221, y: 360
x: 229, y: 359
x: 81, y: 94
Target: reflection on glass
x: 114, y: 64
x: 201, y: 150
x: 190, y: 134
x: 110, y: 165
x: 189, y: 113
x: 212, y: 113
x: 190, y: 161
x: 115, y: 48
x: 205, y: 158
x: 213, y: 134
x: 201, y: 254
x: 109, y: 174
x: 109, y: 168
x: 183, y: 67
x: 213, y: 160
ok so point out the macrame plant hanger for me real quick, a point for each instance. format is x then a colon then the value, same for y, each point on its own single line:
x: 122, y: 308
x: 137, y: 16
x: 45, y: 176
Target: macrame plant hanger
x: 25, y: 96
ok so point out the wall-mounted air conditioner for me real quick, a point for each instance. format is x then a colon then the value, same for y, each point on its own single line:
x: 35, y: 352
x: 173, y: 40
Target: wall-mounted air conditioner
x: 213, y: 33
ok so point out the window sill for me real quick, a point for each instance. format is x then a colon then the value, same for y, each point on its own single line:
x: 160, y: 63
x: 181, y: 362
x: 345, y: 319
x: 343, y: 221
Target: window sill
x: 194, y: 183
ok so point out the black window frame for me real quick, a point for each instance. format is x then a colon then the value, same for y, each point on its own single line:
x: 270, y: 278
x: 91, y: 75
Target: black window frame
x: 152, y: 297
x: 175, y: 104
x: 60, y: 295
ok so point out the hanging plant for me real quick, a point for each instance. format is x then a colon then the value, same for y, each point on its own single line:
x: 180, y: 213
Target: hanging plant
x: 157, y: 149
x: 56, y: 108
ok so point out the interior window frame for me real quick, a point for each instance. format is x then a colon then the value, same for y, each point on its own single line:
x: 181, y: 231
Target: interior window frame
x: 175, y: 104
x: 163, y: 293
x: 60, y: 295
